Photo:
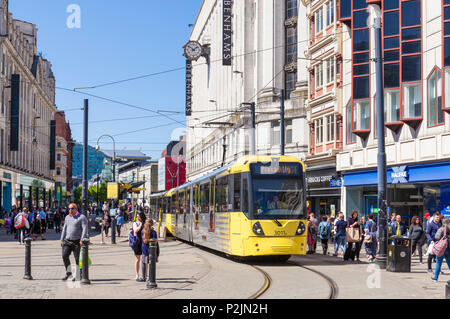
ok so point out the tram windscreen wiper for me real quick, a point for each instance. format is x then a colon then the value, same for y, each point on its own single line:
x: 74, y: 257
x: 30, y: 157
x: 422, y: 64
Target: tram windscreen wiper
x: 277, y: 222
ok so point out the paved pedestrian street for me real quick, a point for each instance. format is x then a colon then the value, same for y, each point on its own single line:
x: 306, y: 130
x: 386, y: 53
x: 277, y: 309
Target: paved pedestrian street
x: 188, y: 272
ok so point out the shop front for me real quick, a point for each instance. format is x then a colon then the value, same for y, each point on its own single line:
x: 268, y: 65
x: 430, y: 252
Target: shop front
x: 413, y: 190
x: 324, y: 191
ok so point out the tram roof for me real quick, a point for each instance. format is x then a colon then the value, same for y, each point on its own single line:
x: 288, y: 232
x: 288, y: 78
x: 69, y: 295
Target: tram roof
x: 241, y: 165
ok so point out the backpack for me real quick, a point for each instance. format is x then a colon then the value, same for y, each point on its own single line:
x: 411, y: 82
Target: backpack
x: 323, y: 230
x: 19, y: 222
x: 131, y: 238
x: 440, y: 246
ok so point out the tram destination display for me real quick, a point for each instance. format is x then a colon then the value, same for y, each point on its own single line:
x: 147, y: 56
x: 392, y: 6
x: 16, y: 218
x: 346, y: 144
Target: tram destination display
x: 275, y: 168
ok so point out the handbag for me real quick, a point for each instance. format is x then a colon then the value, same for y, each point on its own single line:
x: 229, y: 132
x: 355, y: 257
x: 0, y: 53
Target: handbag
x: 368, y: 239
x: 352, y: 235
x: 440, y: 246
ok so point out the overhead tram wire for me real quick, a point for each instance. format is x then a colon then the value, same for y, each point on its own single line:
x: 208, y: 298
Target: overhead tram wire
x: 203, y: 63
x: 119, y: 102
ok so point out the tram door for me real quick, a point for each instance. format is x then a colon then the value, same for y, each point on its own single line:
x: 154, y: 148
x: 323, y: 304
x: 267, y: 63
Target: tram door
x: 212, y: 196
x: 196, y: 206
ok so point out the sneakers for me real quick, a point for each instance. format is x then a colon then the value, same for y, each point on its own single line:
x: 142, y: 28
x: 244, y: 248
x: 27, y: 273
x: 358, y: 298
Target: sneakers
x: 67, y: 276
x: 430, y: 270
x: 433, y: 279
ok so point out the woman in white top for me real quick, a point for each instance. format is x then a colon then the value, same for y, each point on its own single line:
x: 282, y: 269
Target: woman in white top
x: 138, y: 226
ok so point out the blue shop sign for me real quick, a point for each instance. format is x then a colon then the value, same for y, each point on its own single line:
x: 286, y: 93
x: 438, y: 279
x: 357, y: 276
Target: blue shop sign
x: 446, y: 212
x: 336, y: 182
x: 399, y: 175
x: 430, y: 172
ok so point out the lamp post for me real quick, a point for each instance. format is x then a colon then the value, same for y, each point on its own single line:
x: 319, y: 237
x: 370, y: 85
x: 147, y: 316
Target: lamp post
x: 113, y: 218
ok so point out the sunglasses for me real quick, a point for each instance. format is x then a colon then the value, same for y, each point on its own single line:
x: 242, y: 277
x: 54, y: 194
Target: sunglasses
x: 71, y: 208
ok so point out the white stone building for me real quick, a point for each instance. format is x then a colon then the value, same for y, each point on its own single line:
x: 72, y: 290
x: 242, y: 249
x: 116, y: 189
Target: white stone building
x: 268, y: 54
x: 29, y: 167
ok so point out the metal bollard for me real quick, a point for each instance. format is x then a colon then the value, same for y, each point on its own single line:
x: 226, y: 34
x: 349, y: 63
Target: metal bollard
x: 113, y: 230
x: 151, y: 283
x: 85, y: 264
x: 447, y: 290
x: 103, y: 233
x: 27, y: 259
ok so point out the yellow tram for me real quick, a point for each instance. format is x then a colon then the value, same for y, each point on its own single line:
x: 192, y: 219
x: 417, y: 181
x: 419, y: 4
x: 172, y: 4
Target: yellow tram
x: 255, y: 206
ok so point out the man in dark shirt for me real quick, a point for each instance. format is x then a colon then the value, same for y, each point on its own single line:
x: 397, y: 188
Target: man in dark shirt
x: 74, y: 231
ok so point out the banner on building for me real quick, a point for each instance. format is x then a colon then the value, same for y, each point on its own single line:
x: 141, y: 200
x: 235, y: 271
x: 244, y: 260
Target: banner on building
x: 188, y: 87
x: 15, y: 111
x: 52, y: 144
x: 113, y: 191
x: 227, y: 32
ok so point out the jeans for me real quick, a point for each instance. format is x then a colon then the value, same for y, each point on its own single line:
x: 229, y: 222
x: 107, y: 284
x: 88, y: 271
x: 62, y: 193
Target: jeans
x: 324, y: 245
x: 415, y: 243
x: 70, y: 246
x: 118, y: 227
x: 439, y: 261
x: 340, y: 241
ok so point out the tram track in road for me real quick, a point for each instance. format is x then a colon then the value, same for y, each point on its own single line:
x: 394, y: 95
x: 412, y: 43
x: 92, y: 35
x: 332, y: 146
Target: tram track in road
x: 333, y: 286
x: 266, y: 285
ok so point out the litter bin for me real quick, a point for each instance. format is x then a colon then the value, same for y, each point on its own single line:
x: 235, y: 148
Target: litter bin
x: 399, y: 254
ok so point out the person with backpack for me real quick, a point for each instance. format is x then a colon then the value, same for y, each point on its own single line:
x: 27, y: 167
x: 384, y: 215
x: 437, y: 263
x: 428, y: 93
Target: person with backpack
x: 21, y: 224
x: 442, y: 247
x: 432, y: 228
x: 148, y: 234
x: 135, y: 238
x: 324, y: 233
x: 370, y: 238
x: 339, y: 232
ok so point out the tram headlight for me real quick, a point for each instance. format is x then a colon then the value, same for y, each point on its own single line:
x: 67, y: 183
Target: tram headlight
x: 257, y: 229
x: 300, y: 229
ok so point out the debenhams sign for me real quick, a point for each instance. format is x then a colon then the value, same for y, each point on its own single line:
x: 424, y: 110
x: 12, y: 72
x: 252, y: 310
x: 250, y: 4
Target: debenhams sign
x: 227, y: 32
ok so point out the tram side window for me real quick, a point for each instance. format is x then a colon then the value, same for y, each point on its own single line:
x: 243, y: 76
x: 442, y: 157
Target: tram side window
x: 181, y: 199
x: 188, y: 201
x: 204, y: 198
x: 176, y: 204
x: 245, y: 195
x: 237, y: 193
x: 222, y: 194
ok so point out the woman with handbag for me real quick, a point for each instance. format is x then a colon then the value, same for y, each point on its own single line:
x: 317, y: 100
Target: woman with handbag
x: 442, y: 248
x: 370, y: 238
x: 417, y: 236
x: 353, y: 236
x: 138, y: 227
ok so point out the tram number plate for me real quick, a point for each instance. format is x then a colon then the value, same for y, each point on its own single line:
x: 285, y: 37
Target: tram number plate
x: 280, y: 233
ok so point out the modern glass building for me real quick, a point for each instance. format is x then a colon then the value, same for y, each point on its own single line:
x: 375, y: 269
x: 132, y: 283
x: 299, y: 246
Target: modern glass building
x: 95, y: 161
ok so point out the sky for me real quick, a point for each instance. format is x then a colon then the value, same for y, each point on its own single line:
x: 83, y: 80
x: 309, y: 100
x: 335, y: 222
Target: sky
x: 117, y: 40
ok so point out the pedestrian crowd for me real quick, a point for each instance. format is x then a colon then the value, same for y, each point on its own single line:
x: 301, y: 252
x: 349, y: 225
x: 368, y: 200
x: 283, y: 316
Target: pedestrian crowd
x: 429, y: 237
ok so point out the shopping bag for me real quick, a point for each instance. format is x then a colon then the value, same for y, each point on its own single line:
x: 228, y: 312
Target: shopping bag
x: 352, y: 235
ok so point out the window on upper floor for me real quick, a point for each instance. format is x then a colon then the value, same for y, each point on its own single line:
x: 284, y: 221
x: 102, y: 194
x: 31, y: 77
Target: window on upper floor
x: 319, y: 20
x: 58, y: 157
x: 318, y: 73
x: 392, y: 106
x: 361, y: 115
x: 330, y: 12
x: 58, y: 171
x: 331, y: 125
x: 345, y: 9
x: 435, y: 112
x: 291, y: 9
x: 275, y: 133
x: 318, y: 124
x: 288, y: 131
x: 330, y: 70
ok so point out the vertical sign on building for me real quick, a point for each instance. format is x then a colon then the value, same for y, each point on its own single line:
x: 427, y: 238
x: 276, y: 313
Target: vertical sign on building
x: 188, y: 87
x: 52, y: 144
x: 227, y: 32
x: 15, y: 107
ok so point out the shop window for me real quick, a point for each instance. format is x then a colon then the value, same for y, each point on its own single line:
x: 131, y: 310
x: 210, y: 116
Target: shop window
x: 361, y: 115
x: 435, y: 112
x: 412, y: 100
x: 392, y: 106
x: 318, y: 124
